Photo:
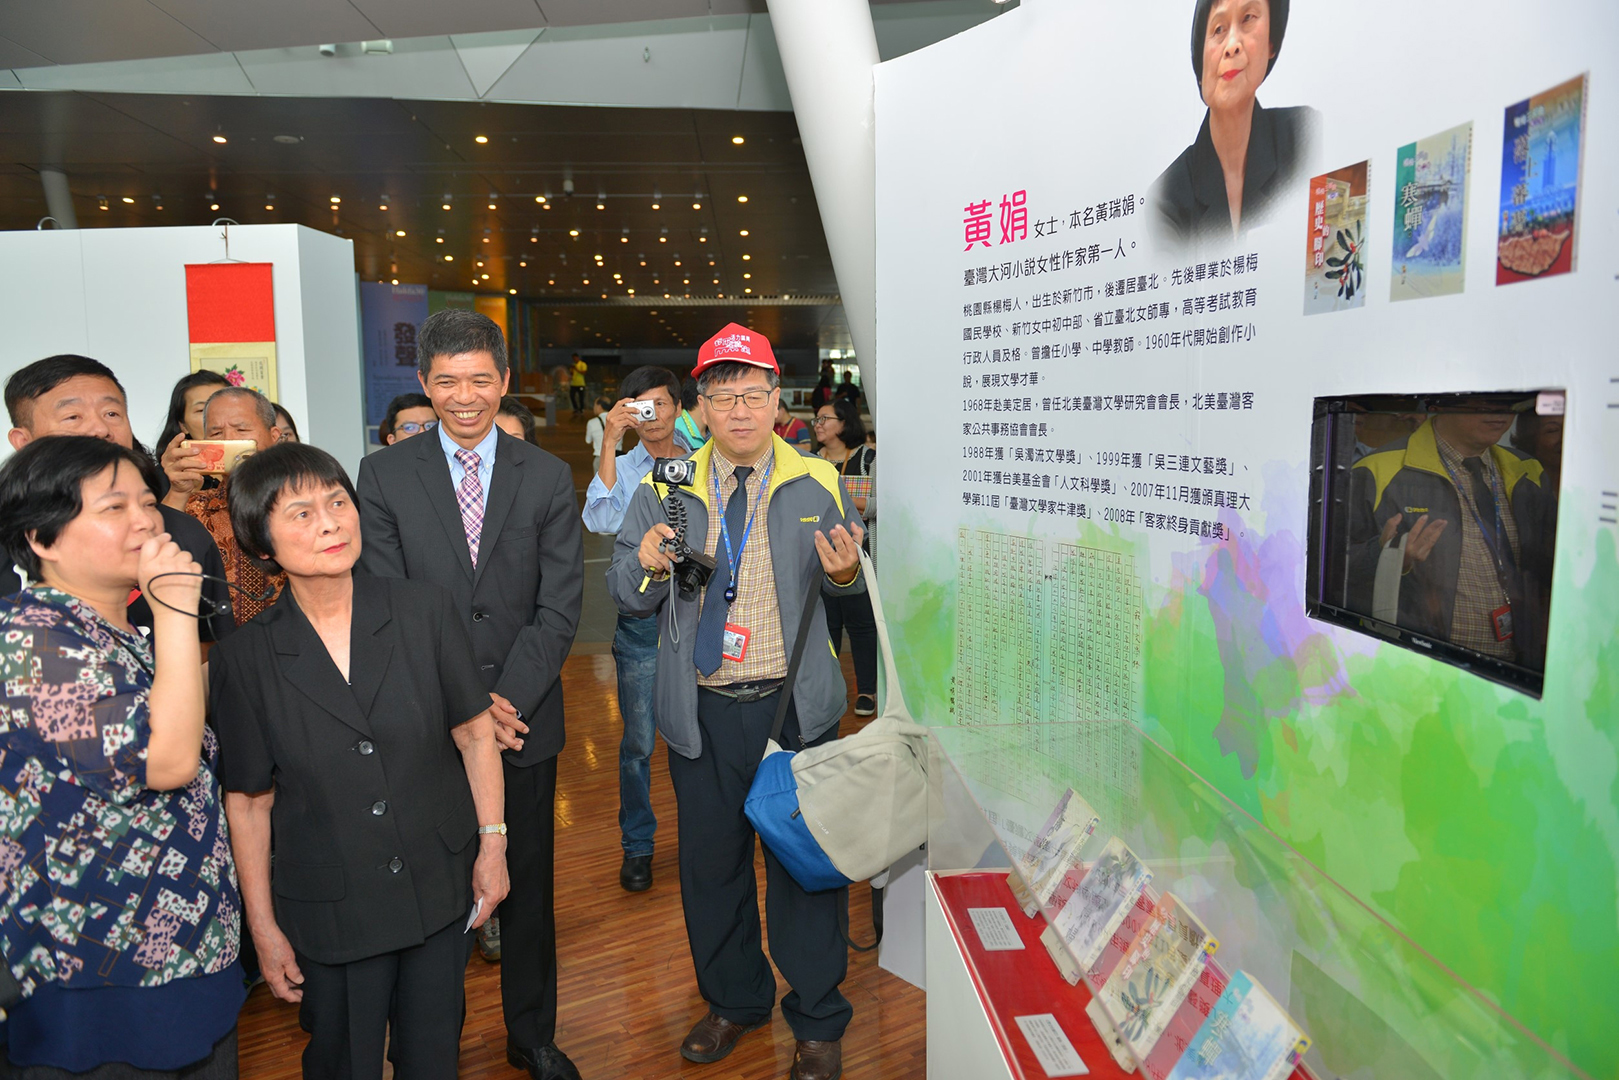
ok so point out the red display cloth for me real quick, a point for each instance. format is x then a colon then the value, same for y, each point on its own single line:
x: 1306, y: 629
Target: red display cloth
x: 230, y: 302
x: 1026, y: 982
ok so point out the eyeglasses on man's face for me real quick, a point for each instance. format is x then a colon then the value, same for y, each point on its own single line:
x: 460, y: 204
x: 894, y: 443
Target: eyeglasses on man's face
x: 412, y: 427
x: 724, y: 402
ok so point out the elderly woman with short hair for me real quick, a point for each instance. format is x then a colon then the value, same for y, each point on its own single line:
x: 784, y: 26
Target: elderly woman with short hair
x: 353, y: 719
x: 119, y: 914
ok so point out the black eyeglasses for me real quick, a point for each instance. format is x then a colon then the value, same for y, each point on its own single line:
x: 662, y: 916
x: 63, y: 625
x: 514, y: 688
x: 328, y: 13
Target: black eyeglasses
x: 411, y: 427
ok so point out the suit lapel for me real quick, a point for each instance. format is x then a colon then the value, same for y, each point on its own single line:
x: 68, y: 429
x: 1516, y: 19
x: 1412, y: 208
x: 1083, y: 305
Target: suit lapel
x: 307, y: 665
x: 369, y: 651
x: 503, y: 483
x: 434, y: 471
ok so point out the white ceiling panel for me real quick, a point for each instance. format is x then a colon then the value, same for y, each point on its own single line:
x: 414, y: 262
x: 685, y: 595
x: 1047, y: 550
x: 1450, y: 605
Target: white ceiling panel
x: 487, y: 57
x: 764, y: 83
x: 90, y: 31
x: 416, y: 18
x: 13, y: 55
x: 417, y: 68
x: 209, y: 73
x: 271, y: 25
x: 632, y: 64
x: 600, y: 12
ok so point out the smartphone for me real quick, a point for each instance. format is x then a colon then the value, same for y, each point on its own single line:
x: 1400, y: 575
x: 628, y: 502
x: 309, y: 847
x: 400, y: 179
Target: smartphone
x: 221, y: 456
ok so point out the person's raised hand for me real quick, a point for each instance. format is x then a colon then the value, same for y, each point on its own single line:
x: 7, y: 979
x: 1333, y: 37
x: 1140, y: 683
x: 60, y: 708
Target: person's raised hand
x: 840, y: 554
x: 1419, y: 543
x: 509, y: 727
x: 161, y: 555
x: 654, y: 560
x: 620, y: 418
x: 277, y: 963
x: 183, y: 466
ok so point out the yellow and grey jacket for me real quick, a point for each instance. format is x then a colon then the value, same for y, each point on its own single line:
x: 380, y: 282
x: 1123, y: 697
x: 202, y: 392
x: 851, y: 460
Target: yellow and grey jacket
x: 1408, y: 477
x: 806, y: 495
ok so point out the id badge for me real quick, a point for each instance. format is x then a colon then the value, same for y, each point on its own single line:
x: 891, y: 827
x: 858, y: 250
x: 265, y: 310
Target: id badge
x: 736, y: 642
x: 1501, y: 618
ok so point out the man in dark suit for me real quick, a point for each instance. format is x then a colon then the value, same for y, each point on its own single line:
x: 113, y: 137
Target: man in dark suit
x: 494, y: 520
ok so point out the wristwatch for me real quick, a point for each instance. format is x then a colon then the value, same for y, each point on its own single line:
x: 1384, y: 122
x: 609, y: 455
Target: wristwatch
x: 498, y: 828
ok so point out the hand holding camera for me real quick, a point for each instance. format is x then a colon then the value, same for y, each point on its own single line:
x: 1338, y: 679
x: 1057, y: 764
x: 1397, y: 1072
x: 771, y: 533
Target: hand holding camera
x: 627, y: 415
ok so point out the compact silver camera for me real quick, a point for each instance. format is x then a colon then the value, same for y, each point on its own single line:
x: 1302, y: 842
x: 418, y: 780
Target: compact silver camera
x: 645, y: 410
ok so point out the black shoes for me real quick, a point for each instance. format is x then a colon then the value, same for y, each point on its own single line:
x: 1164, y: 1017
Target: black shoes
x: 543, y: 1063
x: 636, y: 873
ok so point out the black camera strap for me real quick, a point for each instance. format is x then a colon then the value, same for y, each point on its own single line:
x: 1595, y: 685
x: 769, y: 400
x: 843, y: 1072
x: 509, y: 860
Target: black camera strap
x: 804, y: 619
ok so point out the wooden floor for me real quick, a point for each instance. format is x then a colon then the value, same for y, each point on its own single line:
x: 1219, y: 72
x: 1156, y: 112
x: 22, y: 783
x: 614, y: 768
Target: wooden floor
x: 627, y: 994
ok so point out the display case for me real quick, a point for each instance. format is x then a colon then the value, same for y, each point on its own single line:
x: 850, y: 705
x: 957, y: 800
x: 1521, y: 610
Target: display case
x: 1222, y: 943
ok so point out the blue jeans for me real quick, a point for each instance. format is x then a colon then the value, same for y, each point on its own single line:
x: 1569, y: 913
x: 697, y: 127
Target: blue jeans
x: 635, y: 651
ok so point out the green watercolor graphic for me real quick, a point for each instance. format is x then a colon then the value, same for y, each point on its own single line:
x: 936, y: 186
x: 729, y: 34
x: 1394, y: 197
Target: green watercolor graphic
x: 1480, y: 823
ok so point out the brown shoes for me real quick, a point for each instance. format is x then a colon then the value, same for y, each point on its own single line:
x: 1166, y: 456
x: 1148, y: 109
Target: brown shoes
x: 714, y: 1037
x: 817, y: 1060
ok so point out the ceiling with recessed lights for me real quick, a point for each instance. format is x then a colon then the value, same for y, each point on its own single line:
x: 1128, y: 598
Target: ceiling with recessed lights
x: 662, y: 200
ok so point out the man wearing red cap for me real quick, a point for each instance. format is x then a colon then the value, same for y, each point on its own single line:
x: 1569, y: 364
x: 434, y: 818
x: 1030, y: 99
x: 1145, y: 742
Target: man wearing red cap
x: 772, y: 519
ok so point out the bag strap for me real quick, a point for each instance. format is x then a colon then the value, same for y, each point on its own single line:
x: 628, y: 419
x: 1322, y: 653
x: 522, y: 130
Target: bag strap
x: 815, y: 576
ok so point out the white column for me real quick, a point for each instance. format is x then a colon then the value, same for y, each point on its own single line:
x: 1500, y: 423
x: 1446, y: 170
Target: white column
x: 828, y: 50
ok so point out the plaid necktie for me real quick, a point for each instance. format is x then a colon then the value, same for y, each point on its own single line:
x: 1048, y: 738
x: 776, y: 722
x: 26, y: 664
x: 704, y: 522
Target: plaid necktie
x: 469, y: 497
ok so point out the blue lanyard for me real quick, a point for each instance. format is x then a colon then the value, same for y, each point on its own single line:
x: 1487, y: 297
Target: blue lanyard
x: 1490, y: 539
x: 735, y: 559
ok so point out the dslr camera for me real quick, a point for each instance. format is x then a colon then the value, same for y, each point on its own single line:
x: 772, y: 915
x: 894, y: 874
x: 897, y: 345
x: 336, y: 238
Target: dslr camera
x: 644, y: 410
x: 692, y: 567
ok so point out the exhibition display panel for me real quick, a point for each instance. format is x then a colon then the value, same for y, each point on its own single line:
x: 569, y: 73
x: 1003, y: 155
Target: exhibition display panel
x: 1127, y: 917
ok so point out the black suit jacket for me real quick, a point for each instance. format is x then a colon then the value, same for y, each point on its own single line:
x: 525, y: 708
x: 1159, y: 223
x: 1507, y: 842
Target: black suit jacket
x: 373, y: 816
x: 1190, y: 196
x: 521, y: 604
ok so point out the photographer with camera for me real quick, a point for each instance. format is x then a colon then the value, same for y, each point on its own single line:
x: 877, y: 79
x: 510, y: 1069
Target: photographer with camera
x: 649, y: 408
x: 774, y: 523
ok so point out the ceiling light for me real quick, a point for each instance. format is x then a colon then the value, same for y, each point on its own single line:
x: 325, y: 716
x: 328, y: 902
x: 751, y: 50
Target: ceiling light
x: 438, y: 239
x: 677, y: 262
x: 289, y: 140
x: 512, y: 291
x: 211, y: 206
x: 747, y: 275
x: 745, y: 258
x: 101, y: 201
x: 484, y: 276
x: 702, y: 239
x: 336, y: 199
x: 269, y: 206
x: 550, y: 281
x: 696, y: 206
x: 601, y: 206
x: 573, y: 233
x: 741, y: 198
x: 534, y: 239
x: 539, y: 198
x: 643, y: 262
x: 738, y: 140
x: 747, y: 290
x: 716, y: 281
x: 395, y: 281
x: 586, y: 281
x: 491, y: 206
x: 547, y: 206
x: 486, y: 239
x: 220, y: 139
x: 521, y: 263
x: 399, y: 232
x: 655, y: 206
x: 129, y: 200
x: 382, y: 206
x: 480, y: 139
x: 449, y: 258
x: 480, y: 262
x: 445, y: 206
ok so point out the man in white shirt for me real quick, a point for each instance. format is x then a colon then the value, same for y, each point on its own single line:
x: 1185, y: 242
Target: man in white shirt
x: 596, y: 433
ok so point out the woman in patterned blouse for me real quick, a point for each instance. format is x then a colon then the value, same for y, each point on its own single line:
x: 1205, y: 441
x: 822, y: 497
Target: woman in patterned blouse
x: 119, y: 913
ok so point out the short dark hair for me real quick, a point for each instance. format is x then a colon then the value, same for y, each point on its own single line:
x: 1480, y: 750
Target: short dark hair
x: 1200, y: 30
x: 688, y: 394
x: 727, y: 370
x: 643, y: 380
x: 511, y: 406
x: 291, y: 425
x: 261, y: 404
x: 258, y: 483
x: 42, y: 489
x: 397, y: 406
x: 454, y: 331
x: 853, y: 434
x: 27, y: 384
x: 177, y: 403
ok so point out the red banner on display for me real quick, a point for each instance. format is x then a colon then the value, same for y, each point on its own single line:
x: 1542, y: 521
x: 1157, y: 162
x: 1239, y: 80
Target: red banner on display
x: 230, y: 302
x: 1022, y: 982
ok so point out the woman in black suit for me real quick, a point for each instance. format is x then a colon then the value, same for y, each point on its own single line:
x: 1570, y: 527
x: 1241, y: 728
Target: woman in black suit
x: 352, y: 717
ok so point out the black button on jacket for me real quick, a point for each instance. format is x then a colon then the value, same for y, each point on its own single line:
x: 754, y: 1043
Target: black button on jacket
x: 373, y: 815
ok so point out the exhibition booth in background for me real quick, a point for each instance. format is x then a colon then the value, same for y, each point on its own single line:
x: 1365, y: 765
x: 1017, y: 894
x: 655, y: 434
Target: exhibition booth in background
x: 1124, y: 514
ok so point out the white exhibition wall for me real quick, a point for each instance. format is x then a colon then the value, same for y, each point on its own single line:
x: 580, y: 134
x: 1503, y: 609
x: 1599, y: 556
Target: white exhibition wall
x: 119, y: 295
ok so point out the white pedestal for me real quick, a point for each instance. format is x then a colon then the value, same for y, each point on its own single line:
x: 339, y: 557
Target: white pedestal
x: 961, y: 1045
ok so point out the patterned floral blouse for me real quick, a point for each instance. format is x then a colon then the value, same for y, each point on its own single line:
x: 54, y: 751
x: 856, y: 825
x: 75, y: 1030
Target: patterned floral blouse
x: 103, y: 881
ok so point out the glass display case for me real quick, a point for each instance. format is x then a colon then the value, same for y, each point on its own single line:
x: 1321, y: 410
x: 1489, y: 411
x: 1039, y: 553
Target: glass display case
x: 1219, y: 939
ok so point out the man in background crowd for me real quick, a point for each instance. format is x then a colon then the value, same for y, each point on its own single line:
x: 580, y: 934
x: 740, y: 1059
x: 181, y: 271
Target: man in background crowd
x: 75, y: 395
x: 407, y: 415
x: 791, y: 429
x: 635, y: 640
x: 595, y: 433
x: 233, y: 412
x: 576, y: 385
x: 693, y: 421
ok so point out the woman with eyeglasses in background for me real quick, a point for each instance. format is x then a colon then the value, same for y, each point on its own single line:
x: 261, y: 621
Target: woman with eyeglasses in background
x: 842, y: 437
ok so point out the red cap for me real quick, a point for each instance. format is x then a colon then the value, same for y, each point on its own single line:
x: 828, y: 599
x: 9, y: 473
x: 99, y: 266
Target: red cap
x: 736, y: 344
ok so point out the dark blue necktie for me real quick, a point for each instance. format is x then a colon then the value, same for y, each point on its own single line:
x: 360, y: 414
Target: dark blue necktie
x: 711, y: 624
